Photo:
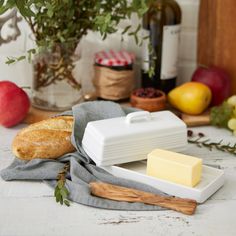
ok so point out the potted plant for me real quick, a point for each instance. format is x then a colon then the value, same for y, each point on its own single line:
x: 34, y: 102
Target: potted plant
x: 57, y: 27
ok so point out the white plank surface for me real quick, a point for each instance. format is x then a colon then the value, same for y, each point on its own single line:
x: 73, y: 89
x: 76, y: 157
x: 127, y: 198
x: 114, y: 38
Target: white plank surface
x: 28, y: 208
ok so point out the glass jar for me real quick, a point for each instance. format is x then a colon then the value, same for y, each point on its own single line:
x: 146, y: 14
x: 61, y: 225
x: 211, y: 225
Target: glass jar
x: 113, y: 74
x: 55, y: 86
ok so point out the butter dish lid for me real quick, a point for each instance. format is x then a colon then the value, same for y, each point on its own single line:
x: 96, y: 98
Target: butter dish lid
x: 131, y: 138
x: 135, y: 126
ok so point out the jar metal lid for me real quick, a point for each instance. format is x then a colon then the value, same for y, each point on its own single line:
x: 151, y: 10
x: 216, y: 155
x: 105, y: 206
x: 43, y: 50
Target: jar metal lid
x: 114, y: 58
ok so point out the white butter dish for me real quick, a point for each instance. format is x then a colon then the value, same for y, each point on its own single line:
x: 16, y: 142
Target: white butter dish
x: 212, y: 179
x: 131, y: 138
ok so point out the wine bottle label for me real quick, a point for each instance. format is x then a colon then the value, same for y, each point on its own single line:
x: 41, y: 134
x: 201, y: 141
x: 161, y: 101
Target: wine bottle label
x: 170, y: 43
x: 145, y: 50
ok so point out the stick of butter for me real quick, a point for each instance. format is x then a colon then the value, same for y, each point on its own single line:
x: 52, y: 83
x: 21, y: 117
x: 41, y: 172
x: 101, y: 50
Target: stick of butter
x: 174, y: 167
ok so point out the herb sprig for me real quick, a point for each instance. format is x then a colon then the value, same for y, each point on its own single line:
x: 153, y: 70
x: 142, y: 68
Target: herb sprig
x: 201, y: 141
x: 217, y: 145
x: 61, y: 193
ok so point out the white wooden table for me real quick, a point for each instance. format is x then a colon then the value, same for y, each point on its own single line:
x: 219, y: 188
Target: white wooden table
x: 29, y: 208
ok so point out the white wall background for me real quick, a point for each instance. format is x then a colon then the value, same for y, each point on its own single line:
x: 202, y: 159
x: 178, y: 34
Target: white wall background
x: 21, y: 73
x: 188, y: 42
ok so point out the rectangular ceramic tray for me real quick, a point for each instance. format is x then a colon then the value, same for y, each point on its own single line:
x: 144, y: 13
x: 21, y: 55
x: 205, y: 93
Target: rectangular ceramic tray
x: 212, y: 180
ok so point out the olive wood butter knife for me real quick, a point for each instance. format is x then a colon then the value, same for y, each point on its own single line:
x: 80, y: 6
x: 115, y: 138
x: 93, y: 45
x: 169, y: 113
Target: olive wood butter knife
x: 118, y: 193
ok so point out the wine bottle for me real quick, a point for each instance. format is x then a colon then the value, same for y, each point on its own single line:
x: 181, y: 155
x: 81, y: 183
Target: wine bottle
x: 161, y: 25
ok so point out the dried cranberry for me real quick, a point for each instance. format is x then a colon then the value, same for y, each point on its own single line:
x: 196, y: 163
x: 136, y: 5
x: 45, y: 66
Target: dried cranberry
x: 147, y: 93
x: 201, y: 135
x: 190, y: 133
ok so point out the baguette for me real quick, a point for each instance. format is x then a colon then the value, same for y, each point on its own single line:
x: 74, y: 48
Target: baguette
x: 49, y: 138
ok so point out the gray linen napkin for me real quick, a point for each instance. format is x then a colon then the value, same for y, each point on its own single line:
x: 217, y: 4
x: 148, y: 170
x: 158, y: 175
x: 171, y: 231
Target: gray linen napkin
x: 82, y: 169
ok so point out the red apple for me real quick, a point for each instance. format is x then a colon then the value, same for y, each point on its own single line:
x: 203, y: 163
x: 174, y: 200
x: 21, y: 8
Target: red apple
x: 217, y: 80
x: 14, y: 104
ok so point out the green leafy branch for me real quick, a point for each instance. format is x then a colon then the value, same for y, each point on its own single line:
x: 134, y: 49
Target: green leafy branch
x: 61, y: 193
x: 139, y: 40
x: 65, y: 22
x: 57, y: 21
x: 29, y: 55
x: 151, y: 61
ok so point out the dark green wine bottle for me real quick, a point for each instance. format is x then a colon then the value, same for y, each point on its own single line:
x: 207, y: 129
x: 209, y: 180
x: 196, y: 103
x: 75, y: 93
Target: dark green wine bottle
x: 162, y: 24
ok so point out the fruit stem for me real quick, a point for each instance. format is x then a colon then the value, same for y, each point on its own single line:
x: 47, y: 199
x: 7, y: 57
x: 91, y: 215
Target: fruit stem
x: 25, y: 87
x: 203, y: 66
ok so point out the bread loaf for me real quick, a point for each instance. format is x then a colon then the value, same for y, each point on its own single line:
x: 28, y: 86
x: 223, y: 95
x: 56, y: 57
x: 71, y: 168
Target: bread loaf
x: 45, y: 139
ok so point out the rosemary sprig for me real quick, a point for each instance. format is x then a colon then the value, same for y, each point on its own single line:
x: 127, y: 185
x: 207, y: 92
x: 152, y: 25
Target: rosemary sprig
x: 61, y: 193
x: 207, y: 143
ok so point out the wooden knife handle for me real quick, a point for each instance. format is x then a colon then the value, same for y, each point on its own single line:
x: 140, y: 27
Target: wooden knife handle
x: 118, y: 193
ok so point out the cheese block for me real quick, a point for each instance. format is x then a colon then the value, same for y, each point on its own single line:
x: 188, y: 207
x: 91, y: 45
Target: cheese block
x: 174, y: 167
